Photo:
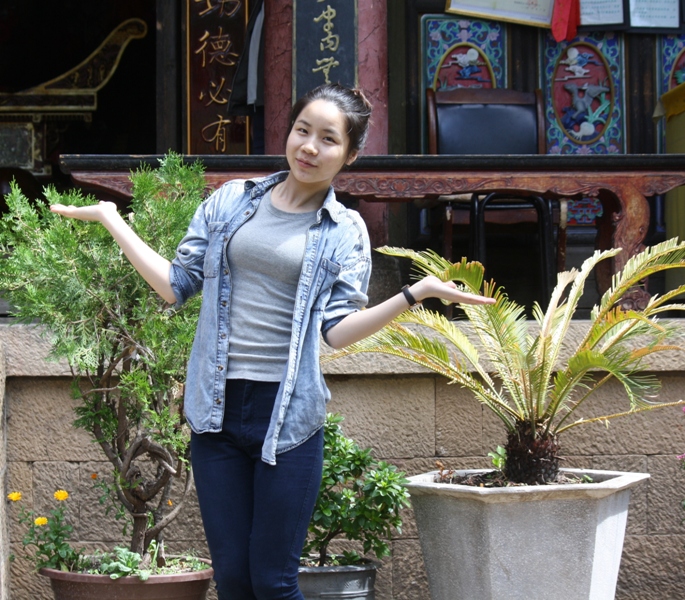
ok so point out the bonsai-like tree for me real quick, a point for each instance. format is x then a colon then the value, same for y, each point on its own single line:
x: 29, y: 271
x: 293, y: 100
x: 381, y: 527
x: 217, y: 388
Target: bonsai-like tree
x: 527, y: 384
x: 360, y: 499
x: 126, y: 347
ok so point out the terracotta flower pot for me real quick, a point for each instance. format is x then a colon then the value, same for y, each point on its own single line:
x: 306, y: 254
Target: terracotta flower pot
x: 82, y: 586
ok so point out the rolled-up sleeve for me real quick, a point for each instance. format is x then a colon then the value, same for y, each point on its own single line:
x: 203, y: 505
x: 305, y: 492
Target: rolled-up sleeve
x: 186, y: 274
x: 349, y: 292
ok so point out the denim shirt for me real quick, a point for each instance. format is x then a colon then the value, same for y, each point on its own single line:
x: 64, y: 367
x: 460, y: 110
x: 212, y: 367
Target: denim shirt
x: 333, y: 283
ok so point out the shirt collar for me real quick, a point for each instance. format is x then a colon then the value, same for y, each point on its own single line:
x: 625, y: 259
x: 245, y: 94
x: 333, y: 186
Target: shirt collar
x: 258, y: 186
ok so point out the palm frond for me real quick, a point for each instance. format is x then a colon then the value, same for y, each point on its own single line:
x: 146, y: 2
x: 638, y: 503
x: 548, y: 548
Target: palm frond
x: 430, y: 353
x: 553, y: 327
x: 606, y: 418
x: 665, y: 255
x: 503, y: 332
x: 617, y: 326
x: 429, y: 262
x: 450, y: 331
x: 622, y: 366
x: 659, y: 303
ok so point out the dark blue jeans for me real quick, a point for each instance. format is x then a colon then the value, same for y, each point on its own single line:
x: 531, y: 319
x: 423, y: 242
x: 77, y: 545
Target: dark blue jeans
x: 255, y: 515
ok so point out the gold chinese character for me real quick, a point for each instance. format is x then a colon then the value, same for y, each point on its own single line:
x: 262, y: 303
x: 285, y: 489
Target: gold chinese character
x: 218, y: 48
x: 227, y: 8
x: 325, y: 65
x: 331, y: 41
x: 216, y: 132
x: 215, y: 93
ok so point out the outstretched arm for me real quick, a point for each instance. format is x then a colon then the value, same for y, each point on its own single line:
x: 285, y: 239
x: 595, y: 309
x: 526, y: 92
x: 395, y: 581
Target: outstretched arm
x: 152, y: 267
x: 358, y: 325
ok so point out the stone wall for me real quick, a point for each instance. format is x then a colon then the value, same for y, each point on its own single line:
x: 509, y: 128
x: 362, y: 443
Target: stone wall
x: 408, y: 416
x: 4, y: 531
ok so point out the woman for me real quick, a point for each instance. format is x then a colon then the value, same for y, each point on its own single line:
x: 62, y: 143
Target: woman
x: 279, y: 262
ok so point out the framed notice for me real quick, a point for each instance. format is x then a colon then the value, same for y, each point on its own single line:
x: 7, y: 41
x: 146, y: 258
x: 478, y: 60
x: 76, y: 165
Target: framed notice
x: 526, y: 12
x: 656, y: 16
x: 603, y: 14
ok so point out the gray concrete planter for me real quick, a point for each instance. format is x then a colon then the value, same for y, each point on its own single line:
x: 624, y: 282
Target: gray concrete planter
x: 350, y: 582
x: 526, y: 542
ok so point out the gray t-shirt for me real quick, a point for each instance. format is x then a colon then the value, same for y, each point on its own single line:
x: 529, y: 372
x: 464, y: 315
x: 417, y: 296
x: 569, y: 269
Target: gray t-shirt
x: 265, y: 260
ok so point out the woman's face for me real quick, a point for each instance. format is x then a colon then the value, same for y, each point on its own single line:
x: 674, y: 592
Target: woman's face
x: 317, y: 146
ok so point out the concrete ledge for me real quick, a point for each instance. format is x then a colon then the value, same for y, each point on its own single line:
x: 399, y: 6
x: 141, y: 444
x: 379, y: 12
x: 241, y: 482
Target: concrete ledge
x: 27, y: 350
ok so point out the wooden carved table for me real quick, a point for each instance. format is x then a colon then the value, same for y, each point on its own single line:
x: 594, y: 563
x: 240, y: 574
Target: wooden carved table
x: 621, y: 182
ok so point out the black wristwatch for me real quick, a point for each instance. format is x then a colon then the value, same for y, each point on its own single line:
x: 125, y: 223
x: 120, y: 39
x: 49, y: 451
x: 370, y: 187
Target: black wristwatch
x: 409, y: 296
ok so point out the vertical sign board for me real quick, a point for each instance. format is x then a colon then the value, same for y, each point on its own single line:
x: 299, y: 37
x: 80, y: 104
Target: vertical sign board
x: 324, y: 44
x: 215, y: 38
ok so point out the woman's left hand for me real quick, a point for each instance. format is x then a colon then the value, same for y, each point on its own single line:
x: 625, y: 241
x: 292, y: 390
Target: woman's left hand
x: 432, y: 287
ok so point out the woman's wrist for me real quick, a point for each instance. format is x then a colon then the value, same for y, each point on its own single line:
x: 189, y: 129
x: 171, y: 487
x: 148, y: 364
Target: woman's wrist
x: 409, y: 296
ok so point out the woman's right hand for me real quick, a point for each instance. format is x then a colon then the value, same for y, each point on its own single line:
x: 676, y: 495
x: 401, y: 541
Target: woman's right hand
x: 94, y: 212
x: 153, y: 267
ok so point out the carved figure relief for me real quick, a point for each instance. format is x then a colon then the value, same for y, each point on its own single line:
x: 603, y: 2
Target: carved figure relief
x: 464, y: 65
x: 582, y: 93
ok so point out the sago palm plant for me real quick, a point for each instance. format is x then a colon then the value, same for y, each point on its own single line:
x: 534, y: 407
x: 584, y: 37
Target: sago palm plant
x: 528, y: 386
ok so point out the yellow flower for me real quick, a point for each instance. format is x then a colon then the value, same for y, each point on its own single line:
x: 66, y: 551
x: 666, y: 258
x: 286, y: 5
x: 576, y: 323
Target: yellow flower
x: 61, y: 495
x: 169, y: 502
x: 14, y: 496
x: 40, y: 521
x: 93, y: 475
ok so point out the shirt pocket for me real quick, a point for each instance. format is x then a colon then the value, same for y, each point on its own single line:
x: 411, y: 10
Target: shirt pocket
x: 215, y: 249
x: 327, y: 276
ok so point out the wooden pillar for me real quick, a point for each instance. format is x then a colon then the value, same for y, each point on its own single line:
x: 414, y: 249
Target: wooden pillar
x: 372, y: 55
x: 278, y: 63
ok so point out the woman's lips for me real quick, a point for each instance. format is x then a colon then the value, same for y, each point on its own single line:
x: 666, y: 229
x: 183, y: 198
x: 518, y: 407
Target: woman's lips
x: 305, y: 164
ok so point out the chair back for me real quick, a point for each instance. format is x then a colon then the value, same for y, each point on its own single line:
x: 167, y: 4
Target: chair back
x: 485, y: 121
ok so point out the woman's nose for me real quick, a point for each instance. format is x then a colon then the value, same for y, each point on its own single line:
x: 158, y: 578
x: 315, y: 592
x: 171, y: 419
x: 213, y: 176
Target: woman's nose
x: 310, y: 147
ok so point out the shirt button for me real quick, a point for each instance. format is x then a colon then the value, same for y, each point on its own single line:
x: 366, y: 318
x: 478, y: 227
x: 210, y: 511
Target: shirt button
x: 225, y: 271
x: 246, y: 213
x: 218, y: 401
x: 220, y: 368
x: 223, y: 336
x: 223, y: 303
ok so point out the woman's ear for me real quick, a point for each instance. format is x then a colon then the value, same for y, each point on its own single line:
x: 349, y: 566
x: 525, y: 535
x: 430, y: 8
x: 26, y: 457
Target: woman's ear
x: 352, y: 157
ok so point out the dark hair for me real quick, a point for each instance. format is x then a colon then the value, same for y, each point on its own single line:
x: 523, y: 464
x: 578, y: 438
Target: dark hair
x: 350, y: 102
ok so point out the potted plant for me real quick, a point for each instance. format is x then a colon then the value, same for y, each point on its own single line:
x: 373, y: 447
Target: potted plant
x: 495, y: 540
x: 359, y: 500
x: 126, y: 347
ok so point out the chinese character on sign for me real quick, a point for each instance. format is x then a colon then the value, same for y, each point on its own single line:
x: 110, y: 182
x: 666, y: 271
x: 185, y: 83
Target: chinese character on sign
x: 216, y: 132
x: 325, y: 47
x: 214, y: 94
x: 325, y: 65
x: 330, y: 41
x: 226, y: 8
x: 218, y: 48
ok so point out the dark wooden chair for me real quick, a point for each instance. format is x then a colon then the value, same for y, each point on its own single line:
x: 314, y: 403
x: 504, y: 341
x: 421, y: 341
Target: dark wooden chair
x: 496, y: 121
